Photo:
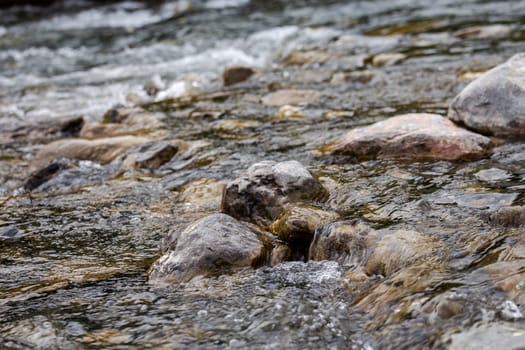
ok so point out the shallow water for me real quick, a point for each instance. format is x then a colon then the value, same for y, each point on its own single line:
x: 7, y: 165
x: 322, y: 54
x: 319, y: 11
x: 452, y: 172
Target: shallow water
x: 76, y: 278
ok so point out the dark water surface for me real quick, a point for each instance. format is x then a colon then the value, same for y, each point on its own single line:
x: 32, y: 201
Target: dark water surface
x: 77, y: 276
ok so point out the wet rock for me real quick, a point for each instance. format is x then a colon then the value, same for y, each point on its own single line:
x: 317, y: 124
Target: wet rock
x: 443, y: 306
x: 202, y: 194
x: 509, y: 216
x: 288, y: 112
x: 10, y: 232
x: 99, y: 150
x: 44, y: 131
x: 44, y: 174
x: 214, y: 245
x: 152, y: 155
x: 387, y: 59
x: 261, y: 192
x: 153, y: 86
x: 493, y: 104
x: 483, y: 32
x: 347, y: 243
x: 508, y: 276
x: 281, y: 253
x: 297, y: 224
x: 136, y: 122
x: 417, y: 136
x: 492, y: 336
x: 117, y: 114
x: 361, y: 77
x: 398, y: 249
x: 488, y: 200
x: 493, y: 175
x: 510, y: 311
x: 306, y: 57
x: 291, y: 97
x: 236, y: 74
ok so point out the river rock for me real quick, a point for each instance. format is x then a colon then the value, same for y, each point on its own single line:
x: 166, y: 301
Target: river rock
x: 10, y: 232
x: 151, y: 155
x: 347, y: 243
x: 236, y: 74
x: 101, y: 150
x: 213, y: 245
x: 398, y: 249
x: 387, y: 59
x: 261, y: 192
x: 492, y: 336
x: 43, y: 131
x: 483, y: 32
x: 494, y: 103
x: 305, y: 57
x: 291, y: 97
x: 509, y: 216
x: 416, y: 136
x: 297, y: 224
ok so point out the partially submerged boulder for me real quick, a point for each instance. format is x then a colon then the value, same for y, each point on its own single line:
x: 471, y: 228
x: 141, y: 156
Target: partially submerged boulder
x: 214, y: 245
x: 236, y: 74
x: 261, y: 192
x: 494, y: 103
x: 415, y: 136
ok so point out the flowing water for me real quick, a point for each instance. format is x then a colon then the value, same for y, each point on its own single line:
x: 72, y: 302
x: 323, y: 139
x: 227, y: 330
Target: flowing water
x: 76, y: 277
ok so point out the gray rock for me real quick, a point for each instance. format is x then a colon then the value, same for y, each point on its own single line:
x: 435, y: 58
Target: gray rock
x: 152, y: 155
x: 260, y: 194
x: 214, y: 245
x: 493, y: 336
x: 10, y: 232
x: 509, y: 216
x: 494, y: 103
x: 416, y: 136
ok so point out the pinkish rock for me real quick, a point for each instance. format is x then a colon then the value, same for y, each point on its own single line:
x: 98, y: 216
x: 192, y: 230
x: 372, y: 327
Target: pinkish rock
x: 416, y: 136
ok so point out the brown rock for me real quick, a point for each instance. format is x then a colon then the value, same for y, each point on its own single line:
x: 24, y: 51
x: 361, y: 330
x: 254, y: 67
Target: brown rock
x: 236, y: 74
x: 100, y: 150
x: 291, y: 97
x: 151, y: 155
x: 387, y: 59
x: 305, y: 57
x: 416, y: 136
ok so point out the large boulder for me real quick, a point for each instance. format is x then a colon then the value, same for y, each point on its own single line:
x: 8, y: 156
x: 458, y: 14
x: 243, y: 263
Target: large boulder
x: 214, y: 245
x: 260, y: 194
x: 494, y: 103
x: 416, y: 136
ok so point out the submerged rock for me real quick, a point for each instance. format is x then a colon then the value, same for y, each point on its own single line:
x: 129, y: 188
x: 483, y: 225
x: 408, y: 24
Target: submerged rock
x: 44, y: 131
x: 495, y: 102
x: 510, y: 216
x: 291, y: 97
x: 10, y: 232
x: 261, y: 192
x: 416, y: 136
x: 387, y: 59
x: 483, y: 32
x: 236, y: 74
x: 297, y: 224
x: 44, y: 174
x: 152, y: 155
x: 100, y: 150
x: 492, y: 336
x: 214, y: 245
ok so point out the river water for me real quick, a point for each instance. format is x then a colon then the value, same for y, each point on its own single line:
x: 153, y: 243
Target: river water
x: 77, y: 275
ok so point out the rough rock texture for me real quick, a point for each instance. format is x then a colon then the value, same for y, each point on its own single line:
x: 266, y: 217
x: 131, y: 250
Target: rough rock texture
x: 509, y: 216
x: 214, y: 245
x: 417, y: 136
x: 495, y: 102
x: 298, y: 224
x: 151, y: 155
x: 347, y: 243
x: 100, y: 150
x: 236, y: 74
x: 260, y: 194
x: 291, y: 97
x: 492, y: 336
x: 43, y: 131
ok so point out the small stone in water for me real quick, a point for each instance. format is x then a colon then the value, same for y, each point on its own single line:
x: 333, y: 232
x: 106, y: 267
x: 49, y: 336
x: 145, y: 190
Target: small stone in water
x: 10, y: 232
x: 236, y: 74
x: 510, y: 311
x: 492, y: 175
